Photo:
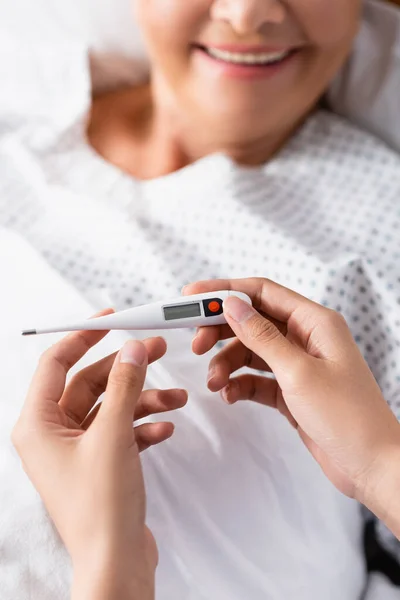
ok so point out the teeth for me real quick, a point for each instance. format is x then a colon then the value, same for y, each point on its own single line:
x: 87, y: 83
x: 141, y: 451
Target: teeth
x: 247, y: 58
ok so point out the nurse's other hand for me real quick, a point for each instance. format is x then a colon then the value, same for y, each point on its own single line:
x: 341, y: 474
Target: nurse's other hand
x: 322, y: 384
x: 85, y: 464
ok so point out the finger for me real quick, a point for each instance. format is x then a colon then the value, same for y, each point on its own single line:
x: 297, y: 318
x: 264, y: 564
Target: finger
x: 262, y: 390
x: 231, y: 358
x: 151, y: 402
x: 314, y: 325
x: 159, y: 401
x: 85, y: 389
x: 124, y: 388
x: 261, y: 336
x: 207, y: 337
x: 271, y: 298
x: 251, y: 387
x: 49, y: 379
x: 86, y: 423
x: 90, y: 383
x: 150, y: 434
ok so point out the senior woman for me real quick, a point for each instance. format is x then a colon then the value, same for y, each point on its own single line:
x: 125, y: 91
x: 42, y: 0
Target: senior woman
x: 224, y: 165
x: 226, y: 76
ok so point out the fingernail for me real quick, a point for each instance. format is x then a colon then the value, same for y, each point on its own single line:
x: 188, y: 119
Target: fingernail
x: 237, y: 309
x: 184, y: 288
x: 211, y: 373
x: 134, y: 353
x: 229, y: 392
x: 224, y: 394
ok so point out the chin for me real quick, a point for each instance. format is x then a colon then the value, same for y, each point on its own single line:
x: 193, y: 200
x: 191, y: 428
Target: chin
x: 233, y: 121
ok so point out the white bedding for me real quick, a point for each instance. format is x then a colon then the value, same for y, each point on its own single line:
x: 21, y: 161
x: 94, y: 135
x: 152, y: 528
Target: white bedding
x: 235, y: 502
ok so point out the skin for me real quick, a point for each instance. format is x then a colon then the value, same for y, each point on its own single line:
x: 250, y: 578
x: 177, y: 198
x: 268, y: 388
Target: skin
x: 187, y: 111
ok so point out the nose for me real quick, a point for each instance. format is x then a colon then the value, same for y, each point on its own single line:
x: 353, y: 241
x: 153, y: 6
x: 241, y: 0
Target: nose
x: 248, y: 16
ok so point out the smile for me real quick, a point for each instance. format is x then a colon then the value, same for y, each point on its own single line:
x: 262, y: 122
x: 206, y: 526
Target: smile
x: 248, y: 58
x: 243, y: 62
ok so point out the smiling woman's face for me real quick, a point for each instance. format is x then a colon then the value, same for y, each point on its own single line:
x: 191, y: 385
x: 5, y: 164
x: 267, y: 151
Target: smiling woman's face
x: 247, y: 68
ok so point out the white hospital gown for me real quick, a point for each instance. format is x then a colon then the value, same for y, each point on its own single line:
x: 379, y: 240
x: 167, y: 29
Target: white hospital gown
x: 322, y: 218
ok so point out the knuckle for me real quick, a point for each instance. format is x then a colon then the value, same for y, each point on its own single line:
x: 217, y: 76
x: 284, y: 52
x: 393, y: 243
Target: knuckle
x: 341, y: 320
x: 45, y: 356
x: 264, y: 331
x: 334, y: 319
x: 248, y: 358
x: 83, y: 340
x: 258, y: 281
x: 300, y: 374
x: 51, y: 356
x: 84, y: 378
x: 214, y: 362
x: 19, y: 436
x: 251, y: 387
x: 15, y: 437
x: 78, y: 379
x: 49, y: 353
x: 125, y: 378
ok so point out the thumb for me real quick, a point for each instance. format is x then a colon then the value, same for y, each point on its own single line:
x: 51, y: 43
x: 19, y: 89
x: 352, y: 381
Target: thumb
x: 125, y: 385
x: 260, y: 335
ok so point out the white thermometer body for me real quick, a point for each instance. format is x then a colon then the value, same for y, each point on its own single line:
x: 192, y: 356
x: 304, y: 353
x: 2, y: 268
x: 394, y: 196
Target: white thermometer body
x: 200, y: 310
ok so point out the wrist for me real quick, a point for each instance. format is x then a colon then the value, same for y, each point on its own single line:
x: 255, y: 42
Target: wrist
x: 109, y: 583
x: 381, y: 491
x: 118, y: 575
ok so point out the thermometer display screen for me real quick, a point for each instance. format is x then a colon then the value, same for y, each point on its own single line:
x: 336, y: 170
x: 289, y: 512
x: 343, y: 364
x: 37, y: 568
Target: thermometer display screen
x: 182, y: 311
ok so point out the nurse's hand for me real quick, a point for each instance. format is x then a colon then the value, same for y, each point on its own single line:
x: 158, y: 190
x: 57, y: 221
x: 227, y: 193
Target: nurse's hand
x: 322, y: 385
x: 85, y: 464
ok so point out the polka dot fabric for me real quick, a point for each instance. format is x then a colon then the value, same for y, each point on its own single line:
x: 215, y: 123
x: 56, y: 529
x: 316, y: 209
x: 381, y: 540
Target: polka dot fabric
x: 322, y: 218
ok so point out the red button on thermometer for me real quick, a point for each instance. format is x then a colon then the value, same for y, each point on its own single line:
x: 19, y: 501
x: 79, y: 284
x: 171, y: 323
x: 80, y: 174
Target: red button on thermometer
x: 187, y: 311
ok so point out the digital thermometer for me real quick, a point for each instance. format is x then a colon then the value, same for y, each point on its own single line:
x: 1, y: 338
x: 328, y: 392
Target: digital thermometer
x: 187, y: 311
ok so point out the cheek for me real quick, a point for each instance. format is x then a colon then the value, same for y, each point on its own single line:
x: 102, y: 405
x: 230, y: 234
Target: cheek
x: 330, y: 28
x: 328, y: 25
x: 171, y: 25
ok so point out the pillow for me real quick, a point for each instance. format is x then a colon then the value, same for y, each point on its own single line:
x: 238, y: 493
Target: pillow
x: 108, y: 28
x: 366, y: 91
